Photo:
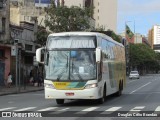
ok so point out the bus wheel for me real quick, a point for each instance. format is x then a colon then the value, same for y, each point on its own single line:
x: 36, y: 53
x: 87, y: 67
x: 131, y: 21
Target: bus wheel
x: 102, y: 100
x: 119, y: 93
x: 60, y: 101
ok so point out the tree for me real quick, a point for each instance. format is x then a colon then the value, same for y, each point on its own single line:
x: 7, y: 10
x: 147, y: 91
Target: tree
x: 143, y: 58
x: 63, y: 18
x: 42, y: 35
x: 110, y: 33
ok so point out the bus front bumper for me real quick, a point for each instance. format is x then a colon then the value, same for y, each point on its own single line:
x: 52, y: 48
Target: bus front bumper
x: 92, y: 93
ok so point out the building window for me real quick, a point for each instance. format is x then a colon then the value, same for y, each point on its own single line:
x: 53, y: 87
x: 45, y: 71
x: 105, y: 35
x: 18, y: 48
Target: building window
x: 28, y: 47
x: 1, y: 4
x: 2, y: 53
x: 3, y: 24
x: 88, y: 3
x: 28, y: 60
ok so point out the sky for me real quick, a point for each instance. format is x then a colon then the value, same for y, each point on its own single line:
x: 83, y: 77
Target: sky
x: 139, y: 15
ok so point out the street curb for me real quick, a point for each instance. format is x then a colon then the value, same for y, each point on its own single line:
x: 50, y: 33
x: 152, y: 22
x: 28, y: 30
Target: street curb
x: 3, y: 94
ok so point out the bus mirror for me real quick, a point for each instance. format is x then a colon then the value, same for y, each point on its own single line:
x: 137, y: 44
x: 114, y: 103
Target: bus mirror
x: 98, y: 54
x: 39, y: 55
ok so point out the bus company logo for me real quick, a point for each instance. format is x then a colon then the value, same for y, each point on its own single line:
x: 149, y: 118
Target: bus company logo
x: 6, y: 114
x: 60, y: 83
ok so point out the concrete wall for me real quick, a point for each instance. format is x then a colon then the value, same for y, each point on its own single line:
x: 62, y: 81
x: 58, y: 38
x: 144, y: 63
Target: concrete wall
x: 7, y: 61
x: 106, y: 14
x: 14, y: 15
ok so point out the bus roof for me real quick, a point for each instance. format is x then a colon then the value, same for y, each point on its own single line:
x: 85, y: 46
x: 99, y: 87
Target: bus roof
x: 97, y: 34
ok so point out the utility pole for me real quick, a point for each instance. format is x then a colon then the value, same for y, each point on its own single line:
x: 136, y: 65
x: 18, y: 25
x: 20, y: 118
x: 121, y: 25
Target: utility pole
x: 19, y: 68
x: 16, y: 67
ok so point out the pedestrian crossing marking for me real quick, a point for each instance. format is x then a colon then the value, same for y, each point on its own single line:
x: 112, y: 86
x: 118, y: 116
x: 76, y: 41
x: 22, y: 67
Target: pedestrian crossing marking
x: 137, y: 109
x: 113, y: 109
x: 87, y: 110
x: 60, y: 111
x: 9, y: 108
x: 158, y: 108
x: 63, y: 109
x: 81, y: 110
x: 90, y: 109
x: 24, y: 109
x: 47, y: 109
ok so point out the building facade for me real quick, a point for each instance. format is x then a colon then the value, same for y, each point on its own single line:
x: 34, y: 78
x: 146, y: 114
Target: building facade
x: 24, y: 36
x: 4, y: 39
x: 105, y: 12
x: 154, y: 37
x: 20, y: 32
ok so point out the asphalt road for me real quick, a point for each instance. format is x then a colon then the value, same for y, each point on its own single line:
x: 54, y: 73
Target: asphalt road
x: 141, y: 97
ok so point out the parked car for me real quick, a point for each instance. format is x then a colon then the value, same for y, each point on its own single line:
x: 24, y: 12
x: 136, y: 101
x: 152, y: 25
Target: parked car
x: 134, y: 74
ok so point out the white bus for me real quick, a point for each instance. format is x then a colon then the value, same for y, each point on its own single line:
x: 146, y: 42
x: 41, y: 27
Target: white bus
x: 82, y: 65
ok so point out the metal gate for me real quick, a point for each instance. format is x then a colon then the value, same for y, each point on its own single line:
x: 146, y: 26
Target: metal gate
x: 2, y: 66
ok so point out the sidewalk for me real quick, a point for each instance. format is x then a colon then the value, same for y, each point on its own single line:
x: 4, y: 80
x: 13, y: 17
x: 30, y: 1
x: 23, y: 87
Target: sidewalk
x: 13, y: 90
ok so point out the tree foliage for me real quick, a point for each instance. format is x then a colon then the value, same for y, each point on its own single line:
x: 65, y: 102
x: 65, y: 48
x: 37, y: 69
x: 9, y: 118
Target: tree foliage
x: 110, y: 33
x: 42, y: 35
x: 143, y: 57
x: 63, y: 18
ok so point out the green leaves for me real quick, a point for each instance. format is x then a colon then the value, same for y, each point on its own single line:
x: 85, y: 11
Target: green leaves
x: 143, y: 56
x: 42, y: 35
x: 63, y: 19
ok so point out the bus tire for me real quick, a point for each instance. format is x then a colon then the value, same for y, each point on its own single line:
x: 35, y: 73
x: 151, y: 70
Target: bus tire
x: 60, y: 101
x: 119, y: 92
x: 102, y: 100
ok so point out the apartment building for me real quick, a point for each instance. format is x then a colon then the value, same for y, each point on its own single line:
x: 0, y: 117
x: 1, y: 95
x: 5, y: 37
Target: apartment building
x: 105, y: 12
x: 154, y: 37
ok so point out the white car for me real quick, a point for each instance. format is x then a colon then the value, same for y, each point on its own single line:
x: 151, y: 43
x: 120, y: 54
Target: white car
x: 134, y: 74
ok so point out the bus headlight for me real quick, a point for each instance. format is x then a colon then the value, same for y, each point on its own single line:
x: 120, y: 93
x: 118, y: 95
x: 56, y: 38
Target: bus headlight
x: 91, y: 85
x: 48, y: 85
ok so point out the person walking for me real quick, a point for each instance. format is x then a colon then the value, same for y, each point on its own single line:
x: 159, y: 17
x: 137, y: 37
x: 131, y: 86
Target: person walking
x: 31, y: 80
x: 39, y: 78
x: 9, y: 80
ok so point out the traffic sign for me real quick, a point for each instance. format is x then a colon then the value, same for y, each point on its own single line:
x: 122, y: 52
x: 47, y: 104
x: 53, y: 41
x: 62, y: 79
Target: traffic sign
x: 13, y: 50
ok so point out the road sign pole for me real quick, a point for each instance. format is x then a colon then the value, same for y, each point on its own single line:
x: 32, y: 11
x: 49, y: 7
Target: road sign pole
x: 16, y: 67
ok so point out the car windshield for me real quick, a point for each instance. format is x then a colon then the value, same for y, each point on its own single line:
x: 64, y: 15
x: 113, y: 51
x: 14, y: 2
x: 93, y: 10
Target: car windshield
x: 134, y: 72
x: 71, y: 65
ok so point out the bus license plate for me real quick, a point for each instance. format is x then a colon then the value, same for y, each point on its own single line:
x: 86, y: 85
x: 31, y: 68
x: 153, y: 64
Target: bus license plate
x: 69, y: 94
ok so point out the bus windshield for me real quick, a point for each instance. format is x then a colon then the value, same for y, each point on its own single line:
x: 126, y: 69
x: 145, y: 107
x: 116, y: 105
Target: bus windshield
x: 71, y: 65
